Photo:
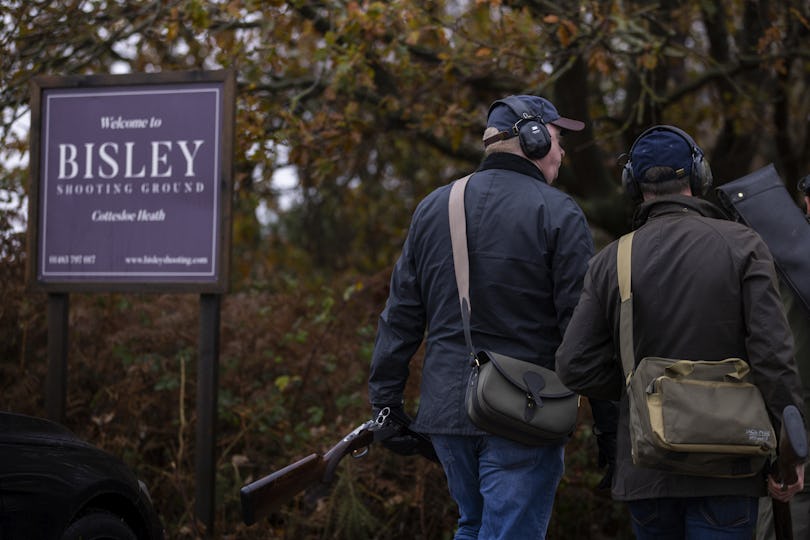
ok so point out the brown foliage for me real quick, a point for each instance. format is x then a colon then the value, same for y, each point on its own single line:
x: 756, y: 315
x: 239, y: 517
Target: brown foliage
x: 292, y: 374
x: 373, y: 104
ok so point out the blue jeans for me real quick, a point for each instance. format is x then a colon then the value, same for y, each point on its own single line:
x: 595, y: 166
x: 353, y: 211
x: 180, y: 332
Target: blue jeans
x: 694, y: 518
x: 504, y: 490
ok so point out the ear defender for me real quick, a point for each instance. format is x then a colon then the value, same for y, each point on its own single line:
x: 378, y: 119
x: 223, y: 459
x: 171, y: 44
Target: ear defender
x: 629, y: 182
x: 535, y: 140
x: 531, y: 130
x: 700, y: 175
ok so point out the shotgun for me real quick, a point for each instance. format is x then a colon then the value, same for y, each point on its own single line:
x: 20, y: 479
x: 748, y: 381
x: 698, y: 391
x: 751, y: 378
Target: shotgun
x: 390, y: 428
x: 264, y: 496
x: 792, y: 451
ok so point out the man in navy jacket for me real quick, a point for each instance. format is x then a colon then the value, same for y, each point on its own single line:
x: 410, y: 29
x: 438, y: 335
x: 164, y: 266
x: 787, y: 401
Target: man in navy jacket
x: 529, y: 244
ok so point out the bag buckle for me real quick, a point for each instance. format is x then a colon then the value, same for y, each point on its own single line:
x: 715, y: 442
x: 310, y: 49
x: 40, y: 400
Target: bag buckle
x: 534, y: 384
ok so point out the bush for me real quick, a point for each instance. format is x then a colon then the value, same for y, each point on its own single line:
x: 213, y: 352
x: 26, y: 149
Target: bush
x: 292, y: 380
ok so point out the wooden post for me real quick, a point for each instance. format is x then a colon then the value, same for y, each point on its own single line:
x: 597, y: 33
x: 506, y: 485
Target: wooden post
x: 207, y: 381
x: 56, y: 379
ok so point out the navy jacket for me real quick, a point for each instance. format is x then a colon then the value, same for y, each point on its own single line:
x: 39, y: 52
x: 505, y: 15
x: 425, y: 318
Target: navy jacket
x: 529, y: 245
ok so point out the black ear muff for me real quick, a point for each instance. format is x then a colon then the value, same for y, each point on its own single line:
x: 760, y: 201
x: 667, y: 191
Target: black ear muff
x: 804, y: 185
x: 629, y: 182
x: 531, y: 130
x: 535, y: 140
x: 700, y: 175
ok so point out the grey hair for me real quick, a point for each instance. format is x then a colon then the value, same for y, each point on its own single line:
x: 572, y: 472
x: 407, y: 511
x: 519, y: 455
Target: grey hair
x: 510, y: 145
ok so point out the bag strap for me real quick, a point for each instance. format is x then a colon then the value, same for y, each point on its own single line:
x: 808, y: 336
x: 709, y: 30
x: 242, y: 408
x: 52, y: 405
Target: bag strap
x: 624, y: 272
x: 461, y: 259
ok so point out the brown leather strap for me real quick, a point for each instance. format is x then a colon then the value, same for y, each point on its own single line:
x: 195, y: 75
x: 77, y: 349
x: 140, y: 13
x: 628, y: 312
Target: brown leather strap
x: 498, y: 137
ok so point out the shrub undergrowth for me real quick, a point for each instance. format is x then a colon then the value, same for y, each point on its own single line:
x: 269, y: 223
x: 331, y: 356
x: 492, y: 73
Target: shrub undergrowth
x: 292, y: 380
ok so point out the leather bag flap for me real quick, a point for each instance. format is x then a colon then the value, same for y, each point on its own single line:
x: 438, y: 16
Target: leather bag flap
x: 515, y: 371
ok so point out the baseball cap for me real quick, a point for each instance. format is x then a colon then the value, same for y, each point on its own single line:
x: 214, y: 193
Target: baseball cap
x: 502, y: 113
x: 661, y: 148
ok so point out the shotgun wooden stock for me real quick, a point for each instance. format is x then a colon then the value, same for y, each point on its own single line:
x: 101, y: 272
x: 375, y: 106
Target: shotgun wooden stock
x: 792, y: 451
x: 264, y: 496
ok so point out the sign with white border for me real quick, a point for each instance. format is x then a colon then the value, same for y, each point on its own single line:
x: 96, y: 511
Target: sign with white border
x: 131, y: 182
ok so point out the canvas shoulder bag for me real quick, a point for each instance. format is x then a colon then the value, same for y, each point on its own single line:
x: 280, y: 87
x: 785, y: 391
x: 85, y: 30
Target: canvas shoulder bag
x: 506, y: 396
x: 702, y: 418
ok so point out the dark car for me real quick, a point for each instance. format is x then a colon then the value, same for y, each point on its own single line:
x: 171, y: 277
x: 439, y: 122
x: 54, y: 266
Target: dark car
x: 55, y: 486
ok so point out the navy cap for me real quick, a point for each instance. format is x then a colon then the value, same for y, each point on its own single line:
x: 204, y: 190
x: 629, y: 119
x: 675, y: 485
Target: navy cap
x: 661, y: 148
x: 503, y: 114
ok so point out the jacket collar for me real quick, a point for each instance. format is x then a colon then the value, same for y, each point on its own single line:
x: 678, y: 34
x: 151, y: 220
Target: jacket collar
x: 675, y: 204
x: 511, y: 162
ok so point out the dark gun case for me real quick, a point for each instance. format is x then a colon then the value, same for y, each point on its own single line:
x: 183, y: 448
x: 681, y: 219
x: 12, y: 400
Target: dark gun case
x: 761, y: 201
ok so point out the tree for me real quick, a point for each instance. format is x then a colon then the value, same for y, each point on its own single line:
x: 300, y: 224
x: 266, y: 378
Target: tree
x: 373, y: 104
x: 379, y: 102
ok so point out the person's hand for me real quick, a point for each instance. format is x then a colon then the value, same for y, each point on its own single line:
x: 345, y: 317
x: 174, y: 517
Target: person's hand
x: 606, y: 444
x: 392, y: 432
x: 605, y: 423
x: 784, y: 492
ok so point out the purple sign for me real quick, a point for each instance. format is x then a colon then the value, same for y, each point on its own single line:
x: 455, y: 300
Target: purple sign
x: 130, y: 184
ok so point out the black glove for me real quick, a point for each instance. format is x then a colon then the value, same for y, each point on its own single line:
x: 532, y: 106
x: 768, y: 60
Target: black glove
x: 393, y: 433
x: 606, y: 444
x: 606, y: 419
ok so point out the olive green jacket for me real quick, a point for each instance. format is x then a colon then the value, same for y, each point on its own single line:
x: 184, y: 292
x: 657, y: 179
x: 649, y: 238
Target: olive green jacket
x: 704, y: 288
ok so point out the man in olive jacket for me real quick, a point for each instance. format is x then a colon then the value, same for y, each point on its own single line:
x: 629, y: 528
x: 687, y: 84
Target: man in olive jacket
x: 704, y: 288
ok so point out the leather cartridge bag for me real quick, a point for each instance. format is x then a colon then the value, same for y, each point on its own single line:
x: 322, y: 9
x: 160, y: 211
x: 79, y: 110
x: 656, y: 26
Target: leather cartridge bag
x: 505, y: 396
